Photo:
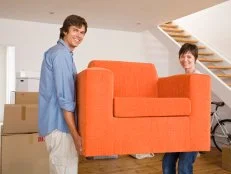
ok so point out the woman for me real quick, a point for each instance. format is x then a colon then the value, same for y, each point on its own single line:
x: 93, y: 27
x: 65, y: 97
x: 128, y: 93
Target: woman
x: 188, y: 54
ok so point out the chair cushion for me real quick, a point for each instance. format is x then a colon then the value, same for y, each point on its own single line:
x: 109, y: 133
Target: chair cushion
x: 151, y: 107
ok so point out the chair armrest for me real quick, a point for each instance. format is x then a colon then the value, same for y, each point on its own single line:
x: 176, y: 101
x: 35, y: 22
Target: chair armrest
x: 197, y: 88
x: 95, y: 88
x: 184, y: 85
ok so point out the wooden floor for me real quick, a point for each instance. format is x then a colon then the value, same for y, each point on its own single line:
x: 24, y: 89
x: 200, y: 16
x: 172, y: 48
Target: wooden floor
x: 208, y: 163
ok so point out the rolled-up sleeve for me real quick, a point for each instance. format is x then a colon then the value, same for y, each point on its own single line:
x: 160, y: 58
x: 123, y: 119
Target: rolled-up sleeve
x: 64, y: 81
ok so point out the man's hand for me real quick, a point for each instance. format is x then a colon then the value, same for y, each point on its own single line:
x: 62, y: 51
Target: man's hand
x: 69, y: 118
x: 78, y: 145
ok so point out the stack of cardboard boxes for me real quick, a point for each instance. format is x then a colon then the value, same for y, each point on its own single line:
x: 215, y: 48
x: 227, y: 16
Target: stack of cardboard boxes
x: 22, y: 150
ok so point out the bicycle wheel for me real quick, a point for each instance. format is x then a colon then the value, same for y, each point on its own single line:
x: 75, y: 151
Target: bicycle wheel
x: 219, y: 138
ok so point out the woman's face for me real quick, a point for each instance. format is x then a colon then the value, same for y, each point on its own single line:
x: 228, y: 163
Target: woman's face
x: 187, y: 60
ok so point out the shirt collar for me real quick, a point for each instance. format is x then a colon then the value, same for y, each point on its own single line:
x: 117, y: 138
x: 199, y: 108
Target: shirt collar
x: 61, y: 41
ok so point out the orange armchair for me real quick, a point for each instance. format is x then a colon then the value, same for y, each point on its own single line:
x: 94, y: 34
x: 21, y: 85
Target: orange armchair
x: 124, y: 108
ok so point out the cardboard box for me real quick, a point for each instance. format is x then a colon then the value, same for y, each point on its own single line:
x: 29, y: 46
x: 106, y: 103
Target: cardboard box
x: 24, y: 154
x: 20, y: 119
x: 226, y: 158
x: 26, y: 97
x: 27, y: 84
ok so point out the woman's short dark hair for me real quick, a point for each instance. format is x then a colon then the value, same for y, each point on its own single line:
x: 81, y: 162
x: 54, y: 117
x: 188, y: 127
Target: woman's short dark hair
x: 187, y: 47
x: 72, y: 20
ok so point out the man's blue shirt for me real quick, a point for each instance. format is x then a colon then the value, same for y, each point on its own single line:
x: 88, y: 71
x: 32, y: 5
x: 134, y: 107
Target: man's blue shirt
x: 56, y: 88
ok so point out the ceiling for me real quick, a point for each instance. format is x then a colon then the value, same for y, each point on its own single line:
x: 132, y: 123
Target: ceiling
x: 127, y: 15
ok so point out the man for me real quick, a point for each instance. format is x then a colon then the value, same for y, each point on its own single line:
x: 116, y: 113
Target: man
x: 57, y: 98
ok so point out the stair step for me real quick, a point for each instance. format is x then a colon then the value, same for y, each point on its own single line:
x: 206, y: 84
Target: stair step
x: 205, y: 54
x: 172, y: 30
x: 201, y: 47
x: 169, y: 25
x: 185, y: 40
x: 224, y: 75
x: 178, y: 35
x: 219, y: 67
x: 202, y: 59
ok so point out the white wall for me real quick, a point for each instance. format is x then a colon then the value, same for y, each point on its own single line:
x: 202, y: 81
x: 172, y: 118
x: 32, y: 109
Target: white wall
x: 155, y: 52
x: 109, y: 45
x: 2, y: 79
x: 168, y: 52
x: 31, y: 39
x: 212, y: 26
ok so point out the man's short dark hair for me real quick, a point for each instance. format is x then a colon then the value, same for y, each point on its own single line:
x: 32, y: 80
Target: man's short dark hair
x: 72, y: 20
x: 187, y: 47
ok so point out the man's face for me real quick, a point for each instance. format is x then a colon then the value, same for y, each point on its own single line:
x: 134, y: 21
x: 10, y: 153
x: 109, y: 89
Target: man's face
x: 187, y: 60
x: 74, y: 36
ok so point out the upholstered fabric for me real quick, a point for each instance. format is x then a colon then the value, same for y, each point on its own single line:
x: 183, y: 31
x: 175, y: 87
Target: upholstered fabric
x: 151, y: 107
x: 124, y: 108
x: 130, y: 81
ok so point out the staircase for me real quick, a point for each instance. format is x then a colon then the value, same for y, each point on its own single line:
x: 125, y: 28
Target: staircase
x: 209, y: 62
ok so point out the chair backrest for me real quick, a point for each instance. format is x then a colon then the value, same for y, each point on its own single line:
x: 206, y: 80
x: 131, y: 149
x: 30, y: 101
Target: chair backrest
x: 131, y: 79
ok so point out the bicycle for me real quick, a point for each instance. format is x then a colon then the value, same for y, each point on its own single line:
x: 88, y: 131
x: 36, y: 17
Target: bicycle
x: 221, y: 132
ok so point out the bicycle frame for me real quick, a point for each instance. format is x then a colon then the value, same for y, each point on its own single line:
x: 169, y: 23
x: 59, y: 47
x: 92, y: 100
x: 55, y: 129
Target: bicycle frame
x: 223, y: 129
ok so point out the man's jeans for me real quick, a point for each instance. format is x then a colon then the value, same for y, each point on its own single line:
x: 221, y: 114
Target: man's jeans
x: 185, y: 163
